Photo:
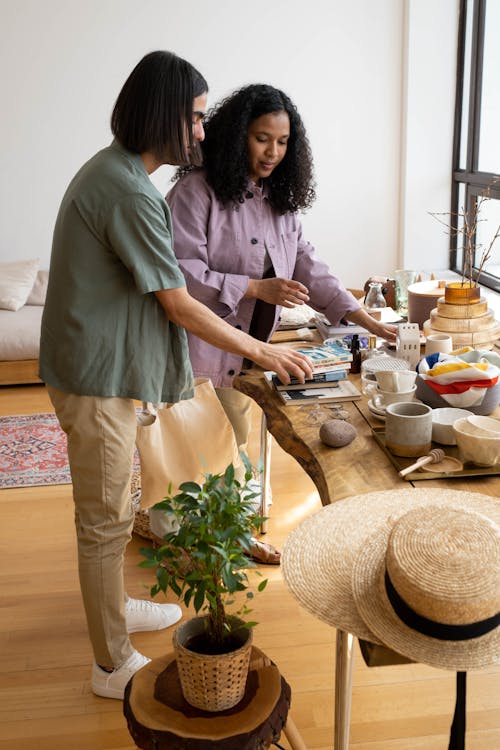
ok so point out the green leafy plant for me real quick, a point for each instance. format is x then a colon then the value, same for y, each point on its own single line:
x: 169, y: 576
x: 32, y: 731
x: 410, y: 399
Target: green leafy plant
x: 204, y: 561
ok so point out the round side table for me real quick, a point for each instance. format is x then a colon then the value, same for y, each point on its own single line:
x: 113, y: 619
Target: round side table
x: 159, y: 718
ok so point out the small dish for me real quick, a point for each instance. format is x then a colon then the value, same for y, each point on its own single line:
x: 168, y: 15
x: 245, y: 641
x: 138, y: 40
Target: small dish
x: 448, y: 465
x: 376, y: 411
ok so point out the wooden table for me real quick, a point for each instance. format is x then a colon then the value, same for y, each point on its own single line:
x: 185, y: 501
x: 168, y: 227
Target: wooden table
x: 360, y: 467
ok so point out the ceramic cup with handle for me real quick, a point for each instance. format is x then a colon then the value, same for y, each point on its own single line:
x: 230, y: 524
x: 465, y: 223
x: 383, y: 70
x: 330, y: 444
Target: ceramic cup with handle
x: 381, y: 399
x: 396, y: 380
x: 438, y: 342
x: 408, y: 429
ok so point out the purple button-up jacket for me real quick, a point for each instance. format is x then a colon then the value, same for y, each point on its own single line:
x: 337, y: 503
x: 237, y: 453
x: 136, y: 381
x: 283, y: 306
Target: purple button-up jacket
x: 219, y: 248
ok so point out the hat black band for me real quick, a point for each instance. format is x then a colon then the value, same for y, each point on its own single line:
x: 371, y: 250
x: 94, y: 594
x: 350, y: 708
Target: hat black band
x: 444, y: 633
x: 436, y: 629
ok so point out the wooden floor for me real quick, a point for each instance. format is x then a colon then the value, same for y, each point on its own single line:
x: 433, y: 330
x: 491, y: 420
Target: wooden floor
x: 45, y: 697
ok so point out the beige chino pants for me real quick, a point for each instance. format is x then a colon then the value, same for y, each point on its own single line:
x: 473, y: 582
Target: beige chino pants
x: 101, y: 438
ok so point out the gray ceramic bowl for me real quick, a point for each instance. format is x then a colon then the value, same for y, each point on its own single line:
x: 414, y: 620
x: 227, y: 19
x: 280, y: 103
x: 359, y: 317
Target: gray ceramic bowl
x: 431, y: 398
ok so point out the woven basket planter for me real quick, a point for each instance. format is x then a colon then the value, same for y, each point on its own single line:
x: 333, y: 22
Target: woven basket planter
x: 211, y: 682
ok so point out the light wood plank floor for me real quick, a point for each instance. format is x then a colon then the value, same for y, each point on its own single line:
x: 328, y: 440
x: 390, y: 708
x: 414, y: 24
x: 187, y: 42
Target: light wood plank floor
x: 45, y: 697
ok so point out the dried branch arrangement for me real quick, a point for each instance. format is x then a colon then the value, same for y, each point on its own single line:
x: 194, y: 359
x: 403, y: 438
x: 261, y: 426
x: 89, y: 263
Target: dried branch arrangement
x: 464, y: 224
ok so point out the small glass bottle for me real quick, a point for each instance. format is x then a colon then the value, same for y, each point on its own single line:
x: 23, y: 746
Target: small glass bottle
x: 356, y: 354
x: 372, y: 350
x: 375, y: 298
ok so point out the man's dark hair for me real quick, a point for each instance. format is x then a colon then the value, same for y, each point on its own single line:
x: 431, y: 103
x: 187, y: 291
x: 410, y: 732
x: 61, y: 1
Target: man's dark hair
x: 154, y: 109
x: 225, y: 149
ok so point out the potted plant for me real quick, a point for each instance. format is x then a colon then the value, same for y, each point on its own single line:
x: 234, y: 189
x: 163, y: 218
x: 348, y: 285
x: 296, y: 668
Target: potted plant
x: 204, y: 564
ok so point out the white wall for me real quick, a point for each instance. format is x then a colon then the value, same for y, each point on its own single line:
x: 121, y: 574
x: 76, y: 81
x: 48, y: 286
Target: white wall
x: 430, y: 48
x: 345, y: 64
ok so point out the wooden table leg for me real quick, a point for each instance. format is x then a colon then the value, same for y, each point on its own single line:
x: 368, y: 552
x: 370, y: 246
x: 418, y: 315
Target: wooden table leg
x: 265, y: 459
x: 343, y: 688
x: 292, y: 734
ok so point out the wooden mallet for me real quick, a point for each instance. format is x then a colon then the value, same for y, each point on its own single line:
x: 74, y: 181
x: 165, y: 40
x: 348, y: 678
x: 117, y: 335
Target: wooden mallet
x: 433, y: 457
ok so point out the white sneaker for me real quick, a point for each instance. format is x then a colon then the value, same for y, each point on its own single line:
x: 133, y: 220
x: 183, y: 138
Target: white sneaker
x: 142, y: 615
x: 112, y: 684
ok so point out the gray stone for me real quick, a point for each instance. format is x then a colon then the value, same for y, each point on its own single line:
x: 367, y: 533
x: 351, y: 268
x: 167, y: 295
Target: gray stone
x: 336, y: 433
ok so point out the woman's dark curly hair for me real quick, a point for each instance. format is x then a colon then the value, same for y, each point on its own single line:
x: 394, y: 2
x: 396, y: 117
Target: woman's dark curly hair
x: 225, y: 150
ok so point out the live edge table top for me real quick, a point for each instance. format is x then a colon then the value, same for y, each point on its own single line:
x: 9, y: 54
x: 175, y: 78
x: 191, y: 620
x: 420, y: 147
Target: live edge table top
x: 362, y: 466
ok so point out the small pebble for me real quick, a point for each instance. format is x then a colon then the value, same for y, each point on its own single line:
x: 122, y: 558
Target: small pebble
x: 337, y: 433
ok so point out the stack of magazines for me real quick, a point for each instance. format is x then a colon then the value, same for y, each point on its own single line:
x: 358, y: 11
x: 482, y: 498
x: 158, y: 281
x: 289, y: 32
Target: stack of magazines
x: 331, y: 364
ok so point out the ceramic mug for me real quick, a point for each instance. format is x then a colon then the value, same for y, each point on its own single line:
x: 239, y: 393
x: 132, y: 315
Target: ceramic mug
x: 396, y: 380
x: 408, y: 429
x: 381, y: 399
x: 438, y: 342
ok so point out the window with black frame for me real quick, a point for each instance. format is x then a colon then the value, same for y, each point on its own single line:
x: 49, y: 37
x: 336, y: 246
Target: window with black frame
x: 475, y: 209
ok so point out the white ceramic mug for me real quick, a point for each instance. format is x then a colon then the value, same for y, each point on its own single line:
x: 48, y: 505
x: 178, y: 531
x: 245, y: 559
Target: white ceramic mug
x: 438, y: 342
x: 408, y: 429
x: 396, y: 380
x: 381, y: 399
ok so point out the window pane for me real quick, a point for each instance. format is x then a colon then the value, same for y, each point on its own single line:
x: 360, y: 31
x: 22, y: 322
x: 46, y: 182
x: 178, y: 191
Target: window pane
x: 466, y: 87
x: 458, y: 224
x: 489, y: 221
x: 489, y: 141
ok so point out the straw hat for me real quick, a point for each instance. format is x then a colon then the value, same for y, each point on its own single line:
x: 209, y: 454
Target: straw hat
x: 441, y: 549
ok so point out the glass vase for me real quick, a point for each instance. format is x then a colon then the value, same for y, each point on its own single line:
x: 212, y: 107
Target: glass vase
x: 374, y: 298
x: 461, y: 293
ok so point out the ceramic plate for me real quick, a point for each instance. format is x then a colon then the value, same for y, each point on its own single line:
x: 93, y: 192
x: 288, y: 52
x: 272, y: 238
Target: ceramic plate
x: 448, y: 464
x: 379, y: 413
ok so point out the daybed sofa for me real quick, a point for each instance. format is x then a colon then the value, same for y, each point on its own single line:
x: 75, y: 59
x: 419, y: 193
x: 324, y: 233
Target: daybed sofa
x: 22, y: 295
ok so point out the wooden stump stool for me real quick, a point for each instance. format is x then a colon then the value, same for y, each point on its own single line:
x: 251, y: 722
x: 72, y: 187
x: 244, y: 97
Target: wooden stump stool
x: 159, y: 718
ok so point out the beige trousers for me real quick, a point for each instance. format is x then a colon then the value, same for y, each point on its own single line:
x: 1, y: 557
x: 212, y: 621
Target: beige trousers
x: 101, y: 438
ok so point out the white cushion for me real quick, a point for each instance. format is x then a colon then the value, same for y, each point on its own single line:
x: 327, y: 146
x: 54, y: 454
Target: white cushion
x: 39, y: 291
x: 16, y: 282
x: 20, y: 333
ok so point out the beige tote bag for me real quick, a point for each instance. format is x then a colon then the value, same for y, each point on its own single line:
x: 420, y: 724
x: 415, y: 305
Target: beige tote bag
x: 184, y: 442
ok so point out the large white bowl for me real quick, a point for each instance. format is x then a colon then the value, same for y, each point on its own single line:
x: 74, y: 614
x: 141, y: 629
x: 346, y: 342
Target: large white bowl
x: 481, y: 449
x: 442, y: 423
x: 486, y: 426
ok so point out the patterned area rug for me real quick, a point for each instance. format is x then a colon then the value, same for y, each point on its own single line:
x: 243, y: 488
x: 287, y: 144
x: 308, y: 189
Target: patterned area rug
x: 33, y: 451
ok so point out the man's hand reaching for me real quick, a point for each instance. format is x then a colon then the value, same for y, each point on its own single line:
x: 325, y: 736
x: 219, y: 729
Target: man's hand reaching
x: 285, y: 362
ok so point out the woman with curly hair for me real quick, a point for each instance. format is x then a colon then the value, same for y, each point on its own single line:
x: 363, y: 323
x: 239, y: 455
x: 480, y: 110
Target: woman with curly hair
x: 238, y: 238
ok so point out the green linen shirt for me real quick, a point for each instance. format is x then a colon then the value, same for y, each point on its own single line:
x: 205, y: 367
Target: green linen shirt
x: 104, y: 333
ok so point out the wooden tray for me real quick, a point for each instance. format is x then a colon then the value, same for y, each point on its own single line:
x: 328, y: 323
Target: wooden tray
x: 469, y: 470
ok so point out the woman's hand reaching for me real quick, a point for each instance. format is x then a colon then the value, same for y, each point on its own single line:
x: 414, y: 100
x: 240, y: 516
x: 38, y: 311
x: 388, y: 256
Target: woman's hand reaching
x: 385, y: 331
x: 284, y: 292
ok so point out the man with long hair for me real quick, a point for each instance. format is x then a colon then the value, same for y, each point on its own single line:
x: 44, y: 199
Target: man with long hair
x: 112, y: 332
